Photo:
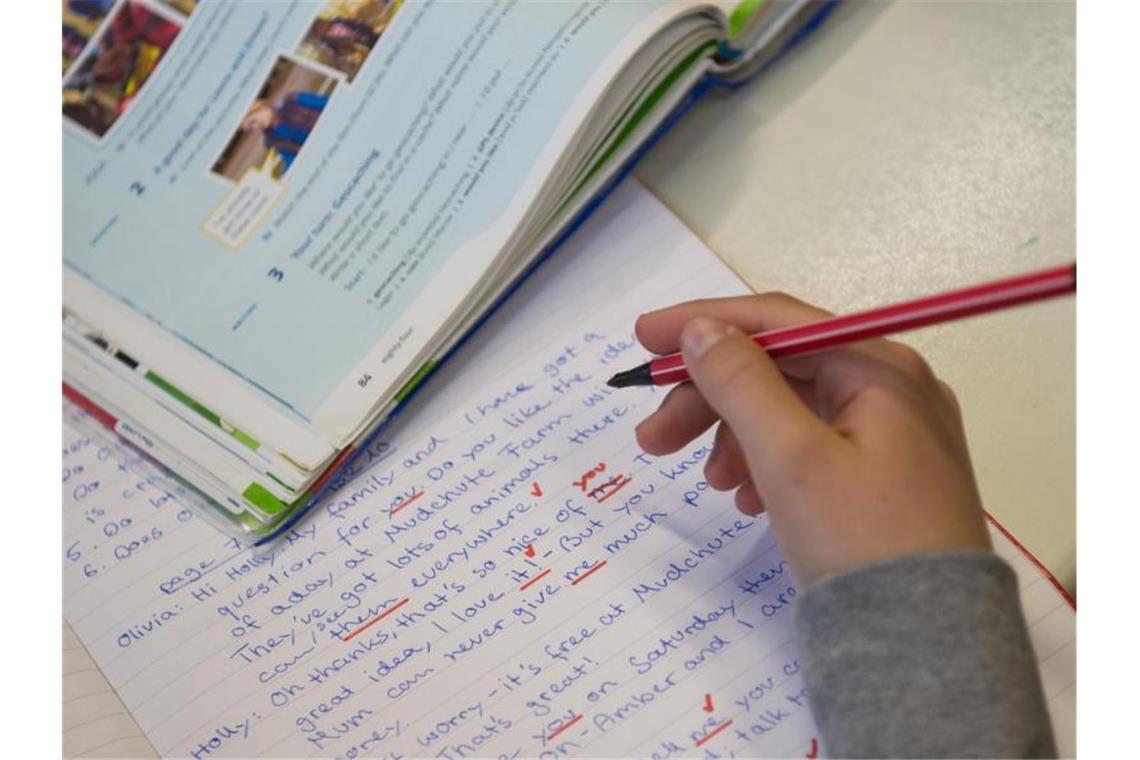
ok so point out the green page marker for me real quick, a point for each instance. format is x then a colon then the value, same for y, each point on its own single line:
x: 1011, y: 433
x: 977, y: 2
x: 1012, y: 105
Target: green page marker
x: 740, y: 15
x: 259, y: 496
x: 244, y: 438
x: 415, y: 380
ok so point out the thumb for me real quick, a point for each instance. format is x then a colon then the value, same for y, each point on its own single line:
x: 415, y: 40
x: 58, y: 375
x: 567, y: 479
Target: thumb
x: 746, y: 388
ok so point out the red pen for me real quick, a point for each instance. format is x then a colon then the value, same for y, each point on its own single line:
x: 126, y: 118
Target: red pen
x: 836, y: 331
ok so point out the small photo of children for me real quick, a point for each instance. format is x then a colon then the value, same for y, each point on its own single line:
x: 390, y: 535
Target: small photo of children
x: 345, y: 31
x: 277, y: 123
x: 80, y: 20
x: 106, y: 82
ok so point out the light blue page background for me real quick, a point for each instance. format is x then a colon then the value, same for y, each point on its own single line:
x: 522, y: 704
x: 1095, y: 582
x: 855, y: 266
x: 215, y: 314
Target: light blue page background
x: 135, y: 202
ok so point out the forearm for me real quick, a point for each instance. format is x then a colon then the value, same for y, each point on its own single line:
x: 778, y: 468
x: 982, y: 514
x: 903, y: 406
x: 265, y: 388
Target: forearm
x: 928, y: 655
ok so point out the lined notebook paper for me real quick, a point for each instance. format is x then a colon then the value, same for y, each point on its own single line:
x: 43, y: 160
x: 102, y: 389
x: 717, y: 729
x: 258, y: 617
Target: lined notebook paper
x: 95, y: 721
x: 504, y: 574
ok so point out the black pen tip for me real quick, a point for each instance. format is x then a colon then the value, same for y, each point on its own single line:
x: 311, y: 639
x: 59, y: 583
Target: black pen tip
x: 636, y: 376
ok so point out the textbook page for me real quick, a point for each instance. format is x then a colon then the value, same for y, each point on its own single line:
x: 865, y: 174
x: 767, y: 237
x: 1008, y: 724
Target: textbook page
x: 503, y: 574
x: 338, y: 156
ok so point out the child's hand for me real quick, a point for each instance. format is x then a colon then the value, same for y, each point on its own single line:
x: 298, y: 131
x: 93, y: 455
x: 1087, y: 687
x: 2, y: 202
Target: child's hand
x: 856, y: 453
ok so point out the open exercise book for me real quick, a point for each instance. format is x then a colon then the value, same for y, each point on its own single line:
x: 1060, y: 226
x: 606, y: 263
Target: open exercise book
x: 281, y: 216
x: 503, y: 574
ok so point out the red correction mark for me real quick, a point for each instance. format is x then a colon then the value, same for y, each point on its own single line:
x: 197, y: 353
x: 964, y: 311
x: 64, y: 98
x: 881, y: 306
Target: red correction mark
x: 535, y: 489
x: 814, y: 751
x: 593, y: 472
x: 405, y: 503
x: 535, y: 579
x: 563, y: 727
x: 714, y: 732
x: 708, y: 703
x: 529, y: 551
x: 377, y: 619
x: 593, y: 569
x: 609, y: 488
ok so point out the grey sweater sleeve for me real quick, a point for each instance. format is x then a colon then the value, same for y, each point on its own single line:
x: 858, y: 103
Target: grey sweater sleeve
x: 924, y: 656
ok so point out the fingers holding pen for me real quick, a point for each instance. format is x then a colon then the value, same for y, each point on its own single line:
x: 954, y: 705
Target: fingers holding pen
x: 660, y: 331
x: 726, y: 467
x: 748, y: 391
x: 682, y: 416
x: 748, y: 499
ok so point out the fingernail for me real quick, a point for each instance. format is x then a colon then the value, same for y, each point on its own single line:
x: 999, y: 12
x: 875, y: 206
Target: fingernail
x: 701, y: 334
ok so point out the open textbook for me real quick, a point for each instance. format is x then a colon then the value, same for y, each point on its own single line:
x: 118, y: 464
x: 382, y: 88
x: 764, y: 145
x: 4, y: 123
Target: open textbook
x: 281, y: 216
x: 502, y: 574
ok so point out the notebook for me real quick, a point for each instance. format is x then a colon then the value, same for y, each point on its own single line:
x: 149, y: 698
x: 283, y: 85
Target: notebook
x: 279, y: 218
x: 502, y: 574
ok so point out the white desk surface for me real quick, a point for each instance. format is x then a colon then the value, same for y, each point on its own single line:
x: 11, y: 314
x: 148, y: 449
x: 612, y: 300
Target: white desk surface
x: 903, y: 149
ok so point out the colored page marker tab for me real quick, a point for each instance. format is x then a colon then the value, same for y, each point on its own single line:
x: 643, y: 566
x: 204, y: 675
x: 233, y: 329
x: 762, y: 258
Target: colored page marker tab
x: 415, y: 380
x: 262, y: 500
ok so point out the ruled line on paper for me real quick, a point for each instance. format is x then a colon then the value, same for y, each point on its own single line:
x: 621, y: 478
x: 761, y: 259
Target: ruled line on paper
x: 95, y: 721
